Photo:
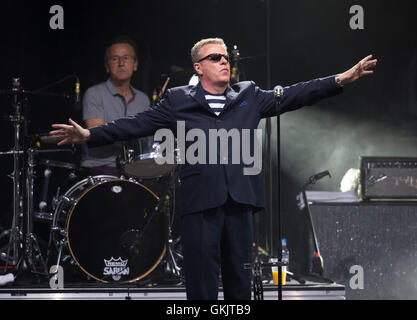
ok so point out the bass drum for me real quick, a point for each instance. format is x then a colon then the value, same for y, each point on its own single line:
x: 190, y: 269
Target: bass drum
x: 111, y: 228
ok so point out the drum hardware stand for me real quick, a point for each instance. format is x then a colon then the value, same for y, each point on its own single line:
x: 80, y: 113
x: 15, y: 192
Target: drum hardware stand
x: 170, y: 262
x: 33, y: 252
x: 257, y: 275
x: 15, y: 234
x: 167, y: 207
x: 23, y: 248
x: 125, y: 157
x: 60, y: 244
x: 47, y: 173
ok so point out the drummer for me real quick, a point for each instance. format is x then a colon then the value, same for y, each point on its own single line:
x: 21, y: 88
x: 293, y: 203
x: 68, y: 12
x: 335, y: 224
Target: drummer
x: 113, y: 99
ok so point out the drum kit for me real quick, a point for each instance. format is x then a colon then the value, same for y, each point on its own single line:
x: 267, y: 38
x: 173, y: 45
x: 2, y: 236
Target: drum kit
x: 105, y: 229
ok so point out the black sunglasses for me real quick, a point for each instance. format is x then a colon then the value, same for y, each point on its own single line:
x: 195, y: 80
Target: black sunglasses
x: 216, y: 57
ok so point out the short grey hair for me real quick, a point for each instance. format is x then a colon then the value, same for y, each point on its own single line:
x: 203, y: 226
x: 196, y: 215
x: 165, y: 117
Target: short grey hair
x: 195, y: 51
x: 121, y: 39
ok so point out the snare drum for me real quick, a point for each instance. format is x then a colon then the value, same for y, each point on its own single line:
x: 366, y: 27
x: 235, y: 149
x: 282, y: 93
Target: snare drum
x: 111, y: 228
x: 147, y: 165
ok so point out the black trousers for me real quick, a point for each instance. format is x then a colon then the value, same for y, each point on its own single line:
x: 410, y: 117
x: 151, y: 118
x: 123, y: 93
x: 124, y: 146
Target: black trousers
x: 215, y: 240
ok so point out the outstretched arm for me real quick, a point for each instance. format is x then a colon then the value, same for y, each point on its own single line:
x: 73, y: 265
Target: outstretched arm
x: 310, y: 92
x: 358, y: 70
x: 68, y: 134
x: 132, y: 127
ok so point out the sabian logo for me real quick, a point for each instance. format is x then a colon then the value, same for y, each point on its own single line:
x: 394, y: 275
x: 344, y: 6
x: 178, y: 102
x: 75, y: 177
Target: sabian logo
x: 116, y: 268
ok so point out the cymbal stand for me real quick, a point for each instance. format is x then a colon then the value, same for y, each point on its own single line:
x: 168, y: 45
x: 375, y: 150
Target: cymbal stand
x: 22, y: 249
x: 168, y: 207
x: 16, y: 234
x: 32, y: 250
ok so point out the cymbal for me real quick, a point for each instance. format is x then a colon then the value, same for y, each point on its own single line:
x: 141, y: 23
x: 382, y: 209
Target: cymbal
x: 177, y: 73
x: 64, y: 165
x: 43, y: 138
x: 248, y: 57
x: 48, y: 139
x: 59, y: 164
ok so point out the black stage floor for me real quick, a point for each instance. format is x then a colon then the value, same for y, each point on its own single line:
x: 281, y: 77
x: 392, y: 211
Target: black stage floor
x: 99, y: 291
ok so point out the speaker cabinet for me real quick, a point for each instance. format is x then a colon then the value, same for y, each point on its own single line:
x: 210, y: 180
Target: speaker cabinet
x: 389, y: 178
x: 378, y: 238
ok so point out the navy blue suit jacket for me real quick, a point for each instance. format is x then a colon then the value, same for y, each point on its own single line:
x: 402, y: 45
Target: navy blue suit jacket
x: 205, y: 186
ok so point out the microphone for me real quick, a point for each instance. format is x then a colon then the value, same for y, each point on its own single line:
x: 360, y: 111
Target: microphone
x: 77, y: 90
x: 319, y: 176
x: 278, y: 92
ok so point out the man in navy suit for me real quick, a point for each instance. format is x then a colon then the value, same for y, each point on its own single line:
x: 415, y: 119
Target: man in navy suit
x: 218, y: 198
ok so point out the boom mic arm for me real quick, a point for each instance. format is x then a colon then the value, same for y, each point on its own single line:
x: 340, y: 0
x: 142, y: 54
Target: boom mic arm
x: 314, y: 178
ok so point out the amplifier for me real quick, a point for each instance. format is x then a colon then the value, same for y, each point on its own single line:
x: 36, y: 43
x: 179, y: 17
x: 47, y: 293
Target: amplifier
x: 388, y: 178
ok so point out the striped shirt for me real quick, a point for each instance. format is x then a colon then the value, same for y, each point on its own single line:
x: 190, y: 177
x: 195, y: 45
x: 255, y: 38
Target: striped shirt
x: 216, y: 102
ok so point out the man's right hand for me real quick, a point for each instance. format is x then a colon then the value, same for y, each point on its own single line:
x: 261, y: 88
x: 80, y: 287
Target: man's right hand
x: 68, y: 134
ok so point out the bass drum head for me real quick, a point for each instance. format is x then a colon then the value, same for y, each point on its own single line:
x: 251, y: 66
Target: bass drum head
x: 114, y: 233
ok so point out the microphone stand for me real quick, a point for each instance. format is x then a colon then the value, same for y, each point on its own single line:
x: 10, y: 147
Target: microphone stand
x: 317, y: 261
x: 171, y: 271
x: 235, y: 57
x: 279, y: 92
x: 257, y: 266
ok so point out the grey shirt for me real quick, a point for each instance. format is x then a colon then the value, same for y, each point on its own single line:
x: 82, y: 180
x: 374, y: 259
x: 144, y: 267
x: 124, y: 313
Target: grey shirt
x: 103, y: 101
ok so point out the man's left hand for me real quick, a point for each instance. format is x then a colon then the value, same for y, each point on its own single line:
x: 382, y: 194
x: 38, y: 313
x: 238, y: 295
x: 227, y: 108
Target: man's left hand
x: 359, y: 70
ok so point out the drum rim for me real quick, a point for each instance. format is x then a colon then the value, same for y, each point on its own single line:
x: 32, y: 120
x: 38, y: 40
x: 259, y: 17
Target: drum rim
x: 67, y: 223
x: 149, y: 156
x: 129, y: 172
x: 74, y: 188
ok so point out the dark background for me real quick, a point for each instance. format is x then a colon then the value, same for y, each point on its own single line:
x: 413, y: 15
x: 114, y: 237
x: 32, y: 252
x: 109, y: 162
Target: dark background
x: 292, y: 41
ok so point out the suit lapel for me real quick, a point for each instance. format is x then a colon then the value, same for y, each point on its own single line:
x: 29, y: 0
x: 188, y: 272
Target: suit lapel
x: 197, y: 93
x: 230, y: 97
